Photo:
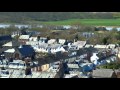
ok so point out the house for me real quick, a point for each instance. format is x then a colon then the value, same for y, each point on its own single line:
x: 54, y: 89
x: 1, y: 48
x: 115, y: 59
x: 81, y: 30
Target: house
x: 88, y: 45
x: 70, y: 76
x: 73, y: 47
x: 73, y: 68
x: 43, y: 40
x: 62, y: 41
x: 9, y: 53
x: 13, y: 44
x: 15, y: 33
x: 8, y: 48
x: 24, y: 51
x: 41, y: 47
x: 4, y: 39
x: 51, y: 41
x: 4, y: 63
x: 53, y: 48
x: 112, y: 46
x: 117, y: 73
x: 80, y: 44
x: 16, y: 73
x: 4, y: 74
x: 101, y: 46
x: 32, y: 43
x: 51, y: 67
x: 17, y: 64
x: 94, y: 57
x: 23, y: 39
x: 38, y: 74
x: 76, y: 75
x: 49, y: 59
x: 58, y: 68
x: 33, y: 39
x: 88, y: 34
x: 57, y: 48
x: 32, y: 33
x: 47, y: 75
x: 104, y: 73
x: 87, y: 67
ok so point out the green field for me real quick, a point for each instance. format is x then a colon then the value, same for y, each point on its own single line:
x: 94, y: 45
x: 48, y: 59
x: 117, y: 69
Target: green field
x: 94, y: 22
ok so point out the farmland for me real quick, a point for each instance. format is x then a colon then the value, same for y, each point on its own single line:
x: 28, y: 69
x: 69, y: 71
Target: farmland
x: 93, y: 22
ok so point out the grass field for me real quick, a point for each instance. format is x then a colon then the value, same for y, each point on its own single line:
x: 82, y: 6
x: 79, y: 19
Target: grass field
x: 95, y: 22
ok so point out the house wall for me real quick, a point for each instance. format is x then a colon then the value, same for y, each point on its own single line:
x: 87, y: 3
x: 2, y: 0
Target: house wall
x: 41, y: 68
x: 60, y: 73
x: 114, y: 75
x: 20, y: 56
x: 23, y: 41
x: 45, y: 67
x: 118, y: 74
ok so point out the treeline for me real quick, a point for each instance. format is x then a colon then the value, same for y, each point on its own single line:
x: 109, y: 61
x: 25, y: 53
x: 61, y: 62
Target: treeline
x: 23, y: 17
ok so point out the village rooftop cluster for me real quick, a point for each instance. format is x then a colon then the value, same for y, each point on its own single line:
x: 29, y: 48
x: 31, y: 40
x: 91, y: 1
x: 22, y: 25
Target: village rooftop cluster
x: 33, y: 56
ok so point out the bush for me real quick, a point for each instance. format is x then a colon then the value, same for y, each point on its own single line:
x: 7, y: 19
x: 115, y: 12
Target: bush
x: 111, y: 66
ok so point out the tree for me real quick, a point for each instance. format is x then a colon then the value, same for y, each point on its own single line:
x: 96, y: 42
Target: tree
x: 114, y: 30
x: 57, y: 40
x: 23, y: 31
x: 76, y: 38
x: 38, y: 38
x: 114, y: 65
x: 48, y: 37
x: 66, y: 42
x: 105, y: 40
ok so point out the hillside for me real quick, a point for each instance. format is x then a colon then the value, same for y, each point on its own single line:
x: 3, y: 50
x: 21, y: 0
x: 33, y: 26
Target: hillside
x: 24, y: 17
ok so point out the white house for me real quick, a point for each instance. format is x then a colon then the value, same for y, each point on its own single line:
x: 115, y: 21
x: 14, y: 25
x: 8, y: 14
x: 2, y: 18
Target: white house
x: 4, y: 74
x: 62, y: 41
x: 45, y: 48
x: 94, y: 58
x: 88, y: 45
x: 32, y: 43
x: 17, y: 64
x: 33, y: 39
x: 51, y: 41
x: 80, y: 44
x: 100, y: 46
x: 10, y: 50
x: 24, y: 37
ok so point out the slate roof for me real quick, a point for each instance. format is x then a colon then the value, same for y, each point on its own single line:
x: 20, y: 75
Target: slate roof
x: 24, y: 37
x: 26, y: 50
x: 80, y: 43
x: 10, y: 50
x: 49, y: 59
x: 32, y: 33
x: 51, y: 41
x: 103, y: 73
x: 8, y: 55
x: 12, y: 43
x: 3, y: 49
x: 5, y: 38
x: 55, y: 46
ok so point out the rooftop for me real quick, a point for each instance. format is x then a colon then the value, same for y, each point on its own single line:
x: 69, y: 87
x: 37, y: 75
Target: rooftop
x: 103, y: 73
x: 72, y: 65
x: 24, y: 37
x: 80, y: 43
x: 26, y: 50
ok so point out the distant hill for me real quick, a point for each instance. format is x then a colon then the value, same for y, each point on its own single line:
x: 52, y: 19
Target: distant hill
x: 23, y: 17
